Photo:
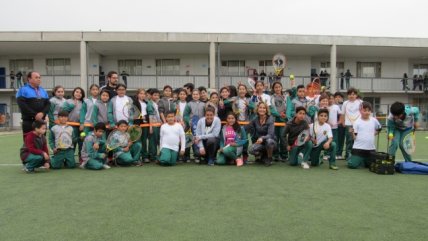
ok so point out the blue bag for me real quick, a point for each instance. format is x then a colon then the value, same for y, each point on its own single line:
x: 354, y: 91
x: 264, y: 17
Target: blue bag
x: 412, y: 167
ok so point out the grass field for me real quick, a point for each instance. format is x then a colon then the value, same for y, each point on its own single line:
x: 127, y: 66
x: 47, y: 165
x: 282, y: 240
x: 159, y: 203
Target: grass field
x: 191, y: 202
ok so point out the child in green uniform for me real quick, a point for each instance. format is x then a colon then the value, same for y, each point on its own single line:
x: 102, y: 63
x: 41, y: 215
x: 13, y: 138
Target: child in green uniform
x: 93, y: 150
x: 128, y: 153
x: 298, y: 155
x: 322, y: 139
x: 402, y: 120
x: 62, y: 139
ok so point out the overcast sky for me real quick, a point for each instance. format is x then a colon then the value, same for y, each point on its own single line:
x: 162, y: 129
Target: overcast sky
x: 328, y: 17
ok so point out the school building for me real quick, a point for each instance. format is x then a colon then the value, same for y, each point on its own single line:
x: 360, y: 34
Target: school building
x: 71, y: 59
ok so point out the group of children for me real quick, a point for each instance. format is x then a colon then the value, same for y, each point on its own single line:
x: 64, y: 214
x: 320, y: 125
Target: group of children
x: 171, y: 127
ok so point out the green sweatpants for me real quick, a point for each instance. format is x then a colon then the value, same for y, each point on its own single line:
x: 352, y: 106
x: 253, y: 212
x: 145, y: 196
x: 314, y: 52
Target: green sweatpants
x: 63, y: 156
x: 398, y: 142
x: 281, y: 151
x: 153, y: 144
x: 228, y: 154
x: 95, y: 164
x: 133, y: 155
x: 144, y: 136
x: 356, y: 161
x: 349, y: 141
x: 34, y: 161
x: 168, y: 157
x: 293, y: 155
x: 316, y: 152
x: 79, y: 143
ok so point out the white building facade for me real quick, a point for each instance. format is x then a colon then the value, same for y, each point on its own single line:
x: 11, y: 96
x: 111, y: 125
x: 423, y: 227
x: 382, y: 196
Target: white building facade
x: 153, y: 60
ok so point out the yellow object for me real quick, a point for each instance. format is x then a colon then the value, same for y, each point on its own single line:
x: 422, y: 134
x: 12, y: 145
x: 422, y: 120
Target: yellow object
x: 83, y: 134
x: 291, y: 76
x: 391, y: 135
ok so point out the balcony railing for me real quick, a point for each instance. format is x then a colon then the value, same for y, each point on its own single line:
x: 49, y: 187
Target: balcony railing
x: 377, y: 85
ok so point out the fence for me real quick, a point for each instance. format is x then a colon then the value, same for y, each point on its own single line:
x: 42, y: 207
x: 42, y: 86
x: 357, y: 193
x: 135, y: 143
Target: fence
x: 158, y: 81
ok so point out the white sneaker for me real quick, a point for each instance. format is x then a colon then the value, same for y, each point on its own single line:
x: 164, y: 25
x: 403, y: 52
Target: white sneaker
x: 82, y: 166
x: 197, y: 161
x: 325, y: 158
x: 305, y: 165
x: 105, y: 166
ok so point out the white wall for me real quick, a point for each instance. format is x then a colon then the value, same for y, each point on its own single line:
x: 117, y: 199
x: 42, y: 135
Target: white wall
x: 195, y: 64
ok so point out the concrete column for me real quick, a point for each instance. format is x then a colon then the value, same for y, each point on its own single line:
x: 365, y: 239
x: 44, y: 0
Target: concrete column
x: 211, y: 83
x: 84, y: 65
x: 333, y: 69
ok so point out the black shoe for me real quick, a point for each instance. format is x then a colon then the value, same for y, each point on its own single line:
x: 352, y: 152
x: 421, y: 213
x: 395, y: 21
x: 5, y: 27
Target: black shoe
x: 268, y: 162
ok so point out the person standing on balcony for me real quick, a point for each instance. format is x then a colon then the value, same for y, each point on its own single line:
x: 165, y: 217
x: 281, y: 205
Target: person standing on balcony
x: 12, y: 79
x: 404, y: 82
x: 113, y: 79
x: 348, y: 76
x: 124, y: 77
x: 33, y: 101
x: 18, y: 80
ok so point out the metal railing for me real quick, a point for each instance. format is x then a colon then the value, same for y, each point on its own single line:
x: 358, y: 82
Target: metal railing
x: 158, y: 81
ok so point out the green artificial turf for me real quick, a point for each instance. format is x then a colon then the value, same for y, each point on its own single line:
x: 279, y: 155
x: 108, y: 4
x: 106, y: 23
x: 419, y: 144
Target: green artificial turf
x: 192, y: 202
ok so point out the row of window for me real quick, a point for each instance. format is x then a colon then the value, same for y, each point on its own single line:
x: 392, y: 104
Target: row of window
x: 62, y: 66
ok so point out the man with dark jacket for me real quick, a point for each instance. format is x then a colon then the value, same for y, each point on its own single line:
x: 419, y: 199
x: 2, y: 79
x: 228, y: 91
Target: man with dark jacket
x: 33, y: 101
x: 112, y: 81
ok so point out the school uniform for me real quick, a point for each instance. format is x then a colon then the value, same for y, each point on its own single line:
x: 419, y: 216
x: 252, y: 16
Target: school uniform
x: 292, y: 131
x: 93, y: 159
x: 75, y: 120
x: 280, y: 104
x: 63, y: 138
x: 363, y: 146
x: 321, y: 133
x: 351, y: 112
x: 400, y: 128
x: 129, y: 157
x: 172, y: 140
x: 154, y: 119
x: 31, y: 153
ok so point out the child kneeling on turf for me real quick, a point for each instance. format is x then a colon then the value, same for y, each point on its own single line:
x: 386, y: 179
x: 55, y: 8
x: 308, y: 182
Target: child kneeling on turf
x: 172, y: 139
x: 364, y: 131
x: 128, y: 153
x: 232, y: 140
x: 322, y: 139
x: 298, y: 155
x: 93, y: 150
x: 402, y: 120
x: 62, y: 139
x: 34, y: 153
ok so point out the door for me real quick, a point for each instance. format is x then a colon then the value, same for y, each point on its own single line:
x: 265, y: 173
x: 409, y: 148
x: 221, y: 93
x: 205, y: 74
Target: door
x: 2, y: 77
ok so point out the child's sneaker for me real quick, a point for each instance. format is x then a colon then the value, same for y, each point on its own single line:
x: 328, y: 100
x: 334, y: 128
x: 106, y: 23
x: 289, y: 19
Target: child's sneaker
x: 146, y: 160
x: 105, y: 166
x: 197, y: 161
x: 339, y: 157
x: 82, y: 166
x: 28, y: 171
x: 305, y: 165
x: 210, y: 162
x: 334, y: 167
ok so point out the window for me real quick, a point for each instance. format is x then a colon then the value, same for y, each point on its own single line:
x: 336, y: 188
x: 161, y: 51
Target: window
x: 340, y: 67
x: 131, y: 66
x: 375, y: 101
x: 265, y: 65
x: 168, y: 67
x: 21, y: 65
x: 233, y: 67
x: 58, y: 66
x: 368, y: 69
x: 420, y: 69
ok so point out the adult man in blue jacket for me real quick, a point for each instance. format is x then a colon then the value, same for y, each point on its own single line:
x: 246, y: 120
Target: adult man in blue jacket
x: 33, y: 101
